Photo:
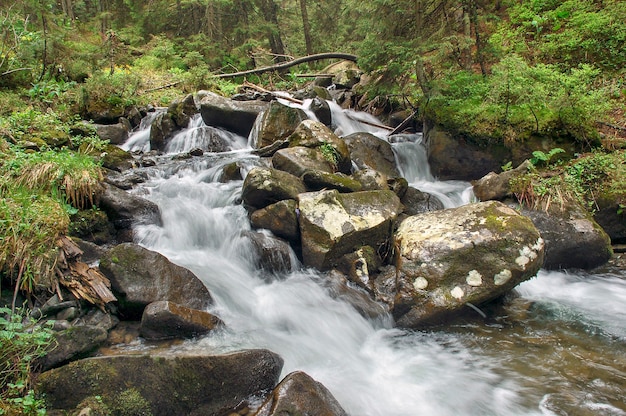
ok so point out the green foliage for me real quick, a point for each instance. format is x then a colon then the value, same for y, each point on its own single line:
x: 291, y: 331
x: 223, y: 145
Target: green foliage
x: 105, y: 90
x: 32, y: 123
x: 539, y: 157
x: 22, y: 341
x: 330, y: 153
x: 49, y: 91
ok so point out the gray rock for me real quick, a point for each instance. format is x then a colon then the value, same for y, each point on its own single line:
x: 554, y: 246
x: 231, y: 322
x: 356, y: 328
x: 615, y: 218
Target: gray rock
x: 163, y: 320
x: 272, y: 254
x: 369, y: 152
x: 265, y: 186
x: 280, y: 218
x: 334, y: 224
x: 73, y: 343
x: 235, y: 116
x: 124, y: 209
x: 315, y: 135
x: 417, y: 202
x: 277, y: 123
x: 573, y: 239
x: 164, y: 385
x: 140, y: 276
x: 114, y: 133
x: 297, y: 160
x: 494, y: 186
x: 316, y: 180
x: 299, y: 394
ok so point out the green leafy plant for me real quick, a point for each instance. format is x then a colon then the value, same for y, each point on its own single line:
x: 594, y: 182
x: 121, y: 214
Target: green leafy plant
x: 539, y: 157
x: 330, y: 154
x: 22, y: 341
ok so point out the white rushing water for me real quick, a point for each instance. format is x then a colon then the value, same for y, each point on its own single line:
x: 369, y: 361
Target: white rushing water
x: 370, y: 367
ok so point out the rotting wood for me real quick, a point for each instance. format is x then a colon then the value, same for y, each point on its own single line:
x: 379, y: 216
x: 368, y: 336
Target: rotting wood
x: 83, y: 281
x: 289, y: 64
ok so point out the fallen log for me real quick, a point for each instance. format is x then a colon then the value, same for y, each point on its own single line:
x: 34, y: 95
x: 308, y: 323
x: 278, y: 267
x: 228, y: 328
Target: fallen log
x: 273, y: 94
x: 404, y: 124
x: 289, y: 64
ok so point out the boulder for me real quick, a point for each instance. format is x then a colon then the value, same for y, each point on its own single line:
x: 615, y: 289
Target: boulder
x: 297, y: 160
x: 573, y: 239
x: 124, y: 209
x: 334, y: 224
x: 277, y: 123
x: 235, y: 116
x: 299, y: 394
x: 181, y: 110
x: 417, y: 202
x: 265, y: 186
x: 164, y: 319
x: 315, y: 135
x: 494, y: 186
x: 161, y: 130
x: 271, y: 254
x: 116, y: 158
x: 114, y: 133
x: 316, y: 180
x: 339, y: 287
x: 451, y: 258
x: 140, y: 276
x: 346, y: 74
x: 611, y: 216
x: 369, y: 152
x: 162, y: 385
x: 280, y: 218
x: 371, y: 180
x: 71, y: 344
x: 320, y: 107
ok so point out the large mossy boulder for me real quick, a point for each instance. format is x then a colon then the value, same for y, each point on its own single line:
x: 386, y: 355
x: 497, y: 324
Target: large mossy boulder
x: 162, y: 385
x: 299, y: 394
x: 334, y: 224
x: 451, y: 258
x: 235, y: 116
x: 265, y: 186
x: 297, y: 160
x: 277, y: 123
x: 140, y: 276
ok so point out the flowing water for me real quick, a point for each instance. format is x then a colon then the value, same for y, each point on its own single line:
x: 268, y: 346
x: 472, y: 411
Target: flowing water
x: 556, y: 348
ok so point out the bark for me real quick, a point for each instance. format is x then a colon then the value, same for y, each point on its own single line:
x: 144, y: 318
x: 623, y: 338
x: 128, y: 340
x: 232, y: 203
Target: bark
x: 270, y: 14
x: 306, y: 27
x: 285, y: 65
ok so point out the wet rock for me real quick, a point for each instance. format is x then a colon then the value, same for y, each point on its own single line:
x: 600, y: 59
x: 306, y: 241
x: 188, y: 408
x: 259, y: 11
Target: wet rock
x: 371, y: 180
x: 299, y: 394
x: 369, y: 152
x: 164, y: 385
x: 277, y: 123
x: 417, y: 202
x: 73, y: 343
x: 181, y: 110
x: 91, y: 225
x: 140, y: 276
x: 235, y: 116
x: 163, y: 320
x: 321, y: 109
x: 611, y: 216
x: 573, y: 239
x: 116, y: 159
x: 231, y: 172
x: 315, y: 135
x: 280, y: 218
x: 272, y: 254
x: 453, y: 257
x: 297, y: 160
x: 497, y: 187
x: 316, y: 180
x: 339, y: 287
x: 334, y: 224
x: 124, y: 209
x: 161, y: 130
x: 360, y: 266
x: 265, y: 186
x: 114, y: 133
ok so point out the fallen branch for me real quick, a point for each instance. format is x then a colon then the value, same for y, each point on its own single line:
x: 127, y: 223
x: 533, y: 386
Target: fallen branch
x: 173, y: 84
x: 404, y: 124
x: 369, y: 123
x: 14, y: 70
x: 289, y: 64
x: 273, y: 94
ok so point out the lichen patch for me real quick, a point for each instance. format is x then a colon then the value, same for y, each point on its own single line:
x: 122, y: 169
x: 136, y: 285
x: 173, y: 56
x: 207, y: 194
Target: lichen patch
x: 457, y: 293
x: 474, y: 278
x: 502, y: 277
x: 420, y: 283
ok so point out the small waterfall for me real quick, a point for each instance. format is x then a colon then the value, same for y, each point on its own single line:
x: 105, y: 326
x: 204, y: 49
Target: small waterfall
x: 139, y: 141
x: 507, y: 366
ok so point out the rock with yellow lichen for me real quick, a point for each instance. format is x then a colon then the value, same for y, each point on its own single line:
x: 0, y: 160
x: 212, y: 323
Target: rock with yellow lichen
x: 450, y: 259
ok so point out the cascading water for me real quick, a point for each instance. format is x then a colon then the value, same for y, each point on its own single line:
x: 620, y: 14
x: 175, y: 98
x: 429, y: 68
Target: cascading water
x: 520, y: 362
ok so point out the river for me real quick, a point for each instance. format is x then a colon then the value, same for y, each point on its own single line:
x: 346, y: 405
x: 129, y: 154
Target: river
x: 555, y: 346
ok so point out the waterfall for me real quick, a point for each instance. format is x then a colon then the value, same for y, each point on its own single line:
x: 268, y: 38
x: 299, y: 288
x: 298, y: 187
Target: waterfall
x: 371, y: 368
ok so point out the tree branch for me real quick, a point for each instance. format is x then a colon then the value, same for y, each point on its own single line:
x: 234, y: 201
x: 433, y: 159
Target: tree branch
x: 285, y: 65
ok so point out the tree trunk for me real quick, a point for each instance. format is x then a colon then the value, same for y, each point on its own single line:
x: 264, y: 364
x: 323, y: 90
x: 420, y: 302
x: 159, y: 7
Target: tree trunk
x: 479, y: 46
x: 270, y: 14
x: 306, y: 28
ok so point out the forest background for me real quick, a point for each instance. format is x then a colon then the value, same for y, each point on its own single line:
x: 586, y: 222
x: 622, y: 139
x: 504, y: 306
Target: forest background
x: 487, y: 71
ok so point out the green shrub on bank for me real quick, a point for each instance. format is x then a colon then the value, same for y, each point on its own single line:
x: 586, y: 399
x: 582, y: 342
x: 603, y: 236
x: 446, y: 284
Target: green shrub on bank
x: 22, y: 341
